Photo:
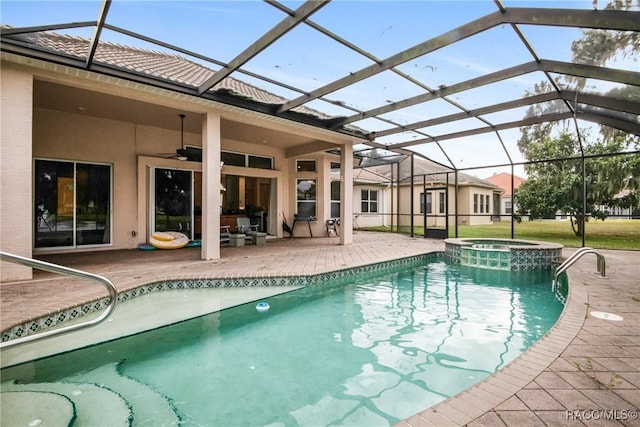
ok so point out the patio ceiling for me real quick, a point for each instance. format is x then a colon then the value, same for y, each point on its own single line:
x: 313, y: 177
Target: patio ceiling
x: 451, y: 81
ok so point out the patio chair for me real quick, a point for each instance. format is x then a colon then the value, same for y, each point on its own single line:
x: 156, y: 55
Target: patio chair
x: 245, y: 227
x: 332, y: 226
x: 224, y: 235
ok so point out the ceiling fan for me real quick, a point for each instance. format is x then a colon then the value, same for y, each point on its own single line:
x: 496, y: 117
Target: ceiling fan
x: 181, y: 153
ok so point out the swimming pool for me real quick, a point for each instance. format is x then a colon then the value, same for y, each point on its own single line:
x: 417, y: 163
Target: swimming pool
x: 368, y: 352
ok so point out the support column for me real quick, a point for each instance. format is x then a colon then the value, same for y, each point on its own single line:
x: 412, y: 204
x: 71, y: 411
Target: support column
x: 16, y: 158
x: 211, y: 186
x: 346, y: 194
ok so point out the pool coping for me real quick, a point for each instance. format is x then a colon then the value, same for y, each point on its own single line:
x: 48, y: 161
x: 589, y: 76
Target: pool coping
x: 469, y: 404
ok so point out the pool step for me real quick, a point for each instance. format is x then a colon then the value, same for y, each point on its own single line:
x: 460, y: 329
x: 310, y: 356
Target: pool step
x: 89, y: 395
x: 25, y: 408
x: 92, y: 405
x: 149, y: 407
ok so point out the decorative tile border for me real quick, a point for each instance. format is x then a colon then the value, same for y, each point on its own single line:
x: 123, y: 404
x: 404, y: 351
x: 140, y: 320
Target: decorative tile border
x: 523, y: 255
x: 360, y: 272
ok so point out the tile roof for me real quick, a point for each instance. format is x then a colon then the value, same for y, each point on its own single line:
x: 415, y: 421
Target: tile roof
x: 367, y: 176
x: 503, y: 180
x: 433, y: 173
x: 155, y: 64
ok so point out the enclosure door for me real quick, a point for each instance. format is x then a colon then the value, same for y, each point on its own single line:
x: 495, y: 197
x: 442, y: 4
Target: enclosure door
x: 172, y: 204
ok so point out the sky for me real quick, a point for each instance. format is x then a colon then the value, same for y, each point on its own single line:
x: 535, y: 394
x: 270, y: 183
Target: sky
x: 306, y: 59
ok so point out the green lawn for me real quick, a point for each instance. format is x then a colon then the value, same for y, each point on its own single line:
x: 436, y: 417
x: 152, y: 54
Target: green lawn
x: 608, y: 234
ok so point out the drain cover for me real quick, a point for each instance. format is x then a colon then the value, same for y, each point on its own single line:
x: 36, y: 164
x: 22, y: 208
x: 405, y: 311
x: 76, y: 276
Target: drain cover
x: 606, y: 316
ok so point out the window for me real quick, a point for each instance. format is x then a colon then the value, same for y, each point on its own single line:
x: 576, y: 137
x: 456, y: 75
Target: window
x: 369, y: 201
x: 72, y: 204
x: 428, y: 203
x: 306, y: 198
x: 486, y: 203
x: 260, y: 162
x: 475, y: 203
x: 441, y: 201
x: 305, y: 165
x: 507, y: 207
x: 232, y: 159
x: 246, y: 160
x: 335, y: 199
x: 335, y: 167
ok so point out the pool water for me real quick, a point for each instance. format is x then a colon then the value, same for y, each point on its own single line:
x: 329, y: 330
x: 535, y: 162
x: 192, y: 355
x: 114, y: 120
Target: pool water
x: 370, y: 352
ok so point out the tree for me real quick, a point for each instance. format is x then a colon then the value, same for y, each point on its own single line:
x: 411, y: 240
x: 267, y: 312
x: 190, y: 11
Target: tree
x: 557, y: 185
x: 612, y: 178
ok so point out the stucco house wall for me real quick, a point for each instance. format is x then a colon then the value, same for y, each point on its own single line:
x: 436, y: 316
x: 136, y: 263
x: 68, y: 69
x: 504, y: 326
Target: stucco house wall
x: 371, y: 219
x: 466, y: 215
x: 64, y: 136
x: 466, y: 205
x: 16, y: 233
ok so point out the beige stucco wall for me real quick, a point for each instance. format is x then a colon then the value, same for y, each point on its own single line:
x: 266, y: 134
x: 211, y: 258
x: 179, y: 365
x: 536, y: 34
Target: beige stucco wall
x: 16, y: 214
x: 369, y: 219
x: 65, y: 136
x: 465, y: 205
x: 323, y: 177
x: 435, y: 219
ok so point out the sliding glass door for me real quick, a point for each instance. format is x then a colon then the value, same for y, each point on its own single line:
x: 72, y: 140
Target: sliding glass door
x: 173, y: 201
x: 72, y: 203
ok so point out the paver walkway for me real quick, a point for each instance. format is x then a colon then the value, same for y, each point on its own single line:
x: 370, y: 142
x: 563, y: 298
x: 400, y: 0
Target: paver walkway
x: 586, y: 371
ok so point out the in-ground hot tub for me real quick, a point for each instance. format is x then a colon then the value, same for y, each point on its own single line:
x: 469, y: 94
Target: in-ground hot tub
x: 504, y: 254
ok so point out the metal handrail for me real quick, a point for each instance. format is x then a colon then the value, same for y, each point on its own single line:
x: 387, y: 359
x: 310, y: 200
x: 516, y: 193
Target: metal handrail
x: 54, y: 268
x: 601, y: 263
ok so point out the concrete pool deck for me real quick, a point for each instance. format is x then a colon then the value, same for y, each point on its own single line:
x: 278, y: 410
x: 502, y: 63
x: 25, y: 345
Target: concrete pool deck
x: 586, y: 370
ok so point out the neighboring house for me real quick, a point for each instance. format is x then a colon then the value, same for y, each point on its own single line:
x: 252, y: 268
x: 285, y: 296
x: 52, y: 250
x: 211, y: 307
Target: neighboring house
x: 506, y: 205
x: 434, y: 195
x: 92, y: 163
x: 621, y: 212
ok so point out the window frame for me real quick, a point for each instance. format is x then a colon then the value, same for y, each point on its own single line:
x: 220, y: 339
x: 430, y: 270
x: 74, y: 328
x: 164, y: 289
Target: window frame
x: 368, y: 201
x: 309, y: 162
x: 334, y: 203
x: 75, y: 231
x: 313, y: 201
x: 246, y: 163
x: 426, y: 202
